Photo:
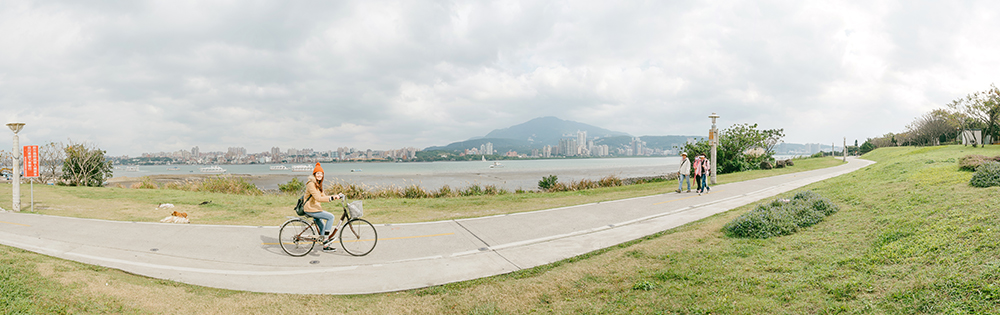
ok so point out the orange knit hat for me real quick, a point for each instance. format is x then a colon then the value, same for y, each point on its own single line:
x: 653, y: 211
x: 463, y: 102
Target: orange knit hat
x: 318, y: 168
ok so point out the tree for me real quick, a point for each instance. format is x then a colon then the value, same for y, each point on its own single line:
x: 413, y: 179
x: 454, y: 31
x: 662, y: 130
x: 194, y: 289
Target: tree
x: 51, y: 158
x: 866, y: 147
x: 983, y: 109
x: 85, y: 166
x: 933, y: 128
x: 735, y: 143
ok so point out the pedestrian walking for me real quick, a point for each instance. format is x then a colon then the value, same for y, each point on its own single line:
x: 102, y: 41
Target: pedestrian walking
x: 706, y: 169
x: 684, y: 173
x: 697, y: 171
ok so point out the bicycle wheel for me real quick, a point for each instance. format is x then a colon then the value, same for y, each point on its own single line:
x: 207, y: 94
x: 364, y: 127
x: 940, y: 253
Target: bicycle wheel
x: 297, y: 237
x: 358, y: 237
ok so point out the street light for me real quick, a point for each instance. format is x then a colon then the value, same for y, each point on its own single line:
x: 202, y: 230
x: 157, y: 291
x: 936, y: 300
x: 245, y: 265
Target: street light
x: 713, y: 139
x: 16, y: 127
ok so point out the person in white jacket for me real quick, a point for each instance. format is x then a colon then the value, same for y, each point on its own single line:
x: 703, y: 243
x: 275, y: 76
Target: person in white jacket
x: 684, y: 173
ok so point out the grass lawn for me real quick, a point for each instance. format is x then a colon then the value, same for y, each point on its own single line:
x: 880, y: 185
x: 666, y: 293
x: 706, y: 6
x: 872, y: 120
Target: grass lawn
x: 911, y: 237
x: 125, y: 204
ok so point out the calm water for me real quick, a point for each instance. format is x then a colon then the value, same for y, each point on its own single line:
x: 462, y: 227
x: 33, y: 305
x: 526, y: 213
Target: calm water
x: 514, y: 174
x: 428, y: 168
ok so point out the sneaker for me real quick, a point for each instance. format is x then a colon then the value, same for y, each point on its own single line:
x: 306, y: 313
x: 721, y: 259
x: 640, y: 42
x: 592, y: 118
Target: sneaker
x: 678, y: 191
x: 330, y: 241
x: 329, y: 249
x: 689, y: 190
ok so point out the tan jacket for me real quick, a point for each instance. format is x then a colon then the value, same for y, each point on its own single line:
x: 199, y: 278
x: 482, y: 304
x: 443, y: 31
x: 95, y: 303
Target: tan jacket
x: 313, y: 205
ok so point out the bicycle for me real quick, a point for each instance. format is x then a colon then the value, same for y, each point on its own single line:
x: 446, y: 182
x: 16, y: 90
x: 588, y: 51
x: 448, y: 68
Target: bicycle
x: 299, y: 235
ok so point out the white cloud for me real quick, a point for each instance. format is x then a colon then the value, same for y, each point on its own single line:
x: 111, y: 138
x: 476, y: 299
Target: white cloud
x: 150, y: 76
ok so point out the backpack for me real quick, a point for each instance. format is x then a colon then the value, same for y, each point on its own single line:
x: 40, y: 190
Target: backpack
x: 300, y: 206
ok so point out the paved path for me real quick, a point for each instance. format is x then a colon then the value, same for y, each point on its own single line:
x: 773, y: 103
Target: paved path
x: 408, y: 256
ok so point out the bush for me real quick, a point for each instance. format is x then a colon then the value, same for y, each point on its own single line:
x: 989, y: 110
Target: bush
x: 987, y: 175
x: 293, y: 186
x: 548, y: 182
x: 779, y: 164
x: 414, y: 192
x: 781, y: 216
x: 789, y: 162
x: 145, y: 183
x: 973, y: 161
x: 765, y: 165
x: 230, y: 185
x: 611, y: 181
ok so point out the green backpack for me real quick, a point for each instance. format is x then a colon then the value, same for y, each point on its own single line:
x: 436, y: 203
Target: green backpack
x: 300, y: 206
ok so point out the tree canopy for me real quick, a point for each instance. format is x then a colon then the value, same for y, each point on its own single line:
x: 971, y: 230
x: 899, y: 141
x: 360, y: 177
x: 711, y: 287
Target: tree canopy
x: 741, y: 147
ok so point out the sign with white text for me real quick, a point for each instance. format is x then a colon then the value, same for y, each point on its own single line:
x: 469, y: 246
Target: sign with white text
x: 30, y: 161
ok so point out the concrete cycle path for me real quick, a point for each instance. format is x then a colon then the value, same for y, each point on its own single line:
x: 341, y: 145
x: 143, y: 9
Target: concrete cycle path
x: 408, y: 256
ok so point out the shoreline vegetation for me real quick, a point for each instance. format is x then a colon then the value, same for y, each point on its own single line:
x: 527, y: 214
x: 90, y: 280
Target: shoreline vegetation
x: 384, y: 204
x: 911, y: 236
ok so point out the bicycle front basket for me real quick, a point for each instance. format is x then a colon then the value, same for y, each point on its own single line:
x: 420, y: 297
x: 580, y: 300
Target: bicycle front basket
x: 356, y: 209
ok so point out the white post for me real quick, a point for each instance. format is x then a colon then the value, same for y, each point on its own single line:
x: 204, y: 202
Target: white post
x: 845, y: 149
x: 17, y: 175
x: 16, y: 200
x: 713, y: 138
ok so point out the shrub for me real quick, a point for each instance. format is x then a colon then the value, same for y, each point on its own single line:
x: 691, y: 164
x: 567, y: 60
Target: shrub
x: 548, y: 182
x: 493, y: 190
x: 145, y: 183
x: 765, y: 165
x: 445, y: 191
x: 293, y: 186
x: 230, y: 185
x: 473, y: 190
x: 781, y: 216
x: 973, y: 161
x: 779, y: 164
x: 610, y: 181
x: 414, y: 191
x: 987, y: 175
x: 789, y: 162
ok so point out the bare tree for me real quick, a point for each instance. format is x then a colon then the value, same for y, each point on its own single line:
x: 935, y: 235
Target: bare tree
x: 6, y: 161
x: 933, y: 128
x: 51, y: 157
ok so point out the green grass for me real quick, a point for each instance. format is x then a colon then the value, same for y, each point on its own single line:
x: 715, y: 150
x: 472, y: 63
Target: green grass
x: 911, y: 237
x: 126, y: 204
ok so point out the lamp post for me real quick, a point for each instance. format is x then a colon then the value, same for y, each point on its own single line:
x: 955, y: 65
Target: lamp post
x: 16, y: 127
x: 713, y: 139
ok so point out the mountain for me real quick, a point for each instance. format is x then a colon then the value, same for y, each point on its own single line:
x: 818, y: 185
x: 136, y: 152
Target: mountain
x: 534, y: 134
x: 548, y: 130
x: 500, y: 145
x: 542, y: 131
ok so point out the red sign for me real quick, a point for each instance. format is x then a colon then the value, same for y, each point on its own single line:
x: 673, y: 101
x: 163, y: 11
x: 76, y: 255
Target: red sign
x: 30, y: 161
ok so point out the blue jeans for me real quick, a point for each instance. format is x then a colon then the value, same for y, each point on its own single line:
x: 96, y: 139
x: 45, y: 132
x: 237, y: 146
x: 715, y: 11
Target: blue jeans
x: 704, y: 183
x: 681, y: 179
x: 324, y: 228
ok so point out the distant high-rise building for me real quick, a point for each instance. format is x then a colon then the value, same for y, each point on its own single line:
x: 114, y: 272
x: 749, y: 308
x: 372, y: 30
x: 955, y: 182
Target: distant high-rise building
x: 275, y: 153
x: 195, y: 151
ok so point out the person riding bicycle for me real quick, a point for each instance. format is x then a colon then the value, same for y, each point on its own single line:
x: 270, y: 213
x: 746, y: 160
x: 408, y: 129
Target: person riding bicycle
x: 313, y: 208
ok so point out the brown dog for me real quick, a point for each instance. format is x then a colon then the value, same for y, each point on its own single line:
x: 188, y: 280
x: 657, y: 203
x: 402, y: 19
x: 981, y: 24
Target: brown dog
x: 180, y: 214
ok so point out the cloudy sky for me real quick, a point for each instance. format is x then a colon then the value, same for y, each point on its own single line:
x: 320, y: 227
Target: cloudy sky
x: 151, y: 76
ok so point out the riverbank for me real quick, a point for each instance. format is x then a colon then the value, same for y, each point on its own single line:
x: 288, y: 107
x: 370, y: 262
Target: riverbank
x: 507, y: 179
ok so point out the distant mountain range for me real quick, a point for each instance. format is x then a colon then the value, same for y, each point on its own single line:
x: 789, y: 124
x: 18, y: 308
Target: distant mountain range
x: 542, y: 131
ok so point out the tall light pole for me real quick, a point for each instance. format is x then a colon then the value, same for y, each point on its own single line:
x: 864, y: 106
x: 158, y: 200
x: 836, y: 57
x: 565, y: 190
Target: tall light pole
x: 845, y: 149
x: 713, y: 139
x: 16, y: 127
